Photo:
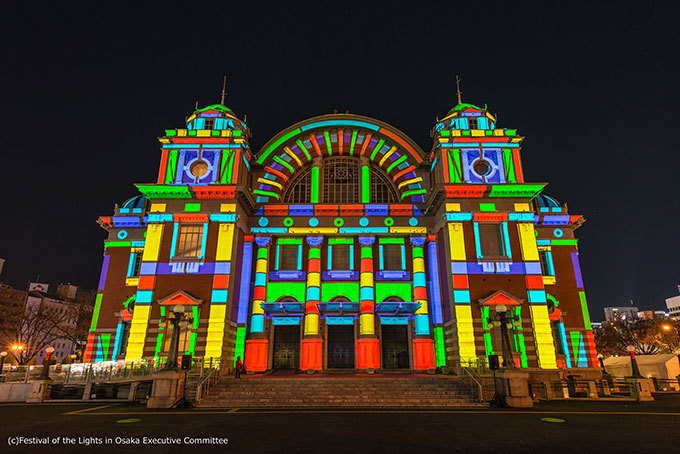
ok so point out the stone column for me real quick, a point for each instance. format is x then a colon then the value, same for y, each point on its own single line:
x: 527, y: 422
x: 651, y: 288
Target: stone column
x: 423, y: 344
x: 257, y: 344
x: 311, y: 348
x: 368, y: 346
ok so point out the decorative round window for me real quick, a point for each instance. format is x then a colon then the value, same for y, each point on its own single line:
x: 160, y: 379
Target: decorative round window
x: 482, y: 167
x: 199, y: 168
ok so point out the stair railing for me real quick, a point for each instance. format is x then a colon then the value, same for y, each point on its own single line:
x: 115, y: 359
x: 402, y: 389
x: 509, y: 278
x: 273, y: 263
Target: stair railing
x: 475, y: 379
x: 207, y: 383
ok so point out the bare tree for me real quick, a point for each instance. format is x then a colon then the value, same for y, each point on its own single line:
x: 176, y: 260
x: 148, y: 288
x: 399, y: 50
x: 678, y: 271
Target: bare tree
x: 648, y: 337
x: 33, y: 327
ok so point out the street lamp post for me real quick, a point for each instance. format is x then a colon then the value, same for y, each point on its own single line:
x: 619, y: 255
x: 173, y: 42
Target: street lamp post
x: 179, y: 320
x: 3, y: 355
x: 16, y: 352
x: 633, y: 362
x: 505, y: 320
x: 45, y: 375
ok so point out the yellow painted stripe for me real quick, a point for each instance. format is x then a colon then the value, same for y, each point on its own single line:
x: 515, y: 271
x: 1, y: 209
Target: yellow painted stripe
x: 412, y: 180
x: 154, y: 232
x: 453, y: 207
x: 366, y: 324
x: 224, y: 242
x: 228, y: 208
x: 215, y: 335
x: 543, y: 338
x: 408, y: 229
x: 311, y: 324
x: 158, y: 208
x: 423, y: 307
x: 466, y: 333
x: 137, y: 336
x: 273, y: 183
x: 290, y: 153
x: 387, y: 155
x: 527, y: 239
x: 456, y: 241
x: 257, y: 307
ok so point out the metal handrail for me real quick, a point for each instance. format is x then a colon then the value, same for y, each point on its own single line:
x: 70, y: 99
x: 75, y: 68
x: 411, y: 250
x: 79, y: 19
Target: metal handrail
x: 207, y: 383
x: 477, y: 379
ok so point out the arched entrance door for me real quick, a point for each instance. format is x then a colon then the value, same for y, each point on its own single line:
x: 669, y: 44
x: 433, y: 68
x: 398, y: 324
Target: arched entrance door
x: 340, y: 345
x: 286, y: 353
x: 395, y: 344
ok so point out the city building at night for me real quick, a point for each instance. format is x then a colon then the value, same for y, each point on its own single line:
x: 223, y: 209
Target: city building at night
x: 341, y: 244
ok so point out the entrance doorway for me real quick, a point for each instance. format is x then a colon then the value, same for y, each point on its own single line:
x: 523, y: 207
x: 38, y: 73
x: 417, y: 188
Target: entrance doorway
x: 395, y: 347
x: 286, y: 347
x: 340, y: 347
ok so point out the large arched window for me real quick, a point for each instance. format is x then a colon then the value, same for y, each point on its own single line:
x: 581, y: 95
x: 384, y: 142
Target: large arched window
x: 341, y: 182
x: 382, y: 190
x: 300, y: 188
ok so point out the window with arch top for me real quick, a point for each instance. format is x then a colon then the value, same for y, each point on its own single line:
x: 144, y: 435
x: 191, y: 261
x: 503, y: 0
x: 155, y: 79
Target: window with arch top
x: 341, y: 182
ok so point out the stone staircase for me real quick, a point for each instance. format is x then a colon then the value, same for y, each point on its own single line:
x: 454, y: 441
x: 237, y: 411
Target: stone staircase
x: 355, y: 391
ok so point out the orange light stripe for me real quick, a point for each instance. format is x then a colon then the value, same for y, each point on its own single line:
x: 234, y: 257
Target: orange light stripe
x: 365, y: 145
x: 316, y: 145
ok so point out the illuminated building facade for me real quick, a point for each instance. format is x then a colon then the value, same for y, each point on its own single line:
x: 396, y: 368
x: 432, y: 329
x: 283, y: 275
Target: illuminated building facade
x: 341, y: 244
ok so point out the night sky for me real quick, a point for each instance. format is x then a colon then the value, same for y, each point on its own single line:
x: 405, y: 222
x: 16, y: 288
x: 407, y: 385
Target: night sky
x: 593, y: 88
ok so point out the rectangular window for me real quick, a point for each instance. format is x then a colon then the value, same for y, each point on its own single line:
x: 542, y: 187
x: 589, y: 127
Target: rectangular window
x: 135, y: 264
x: 393, y: 257
x: 473, y: 123
x: 546, y: 263
x: 492, y: 241
x: 288, y: 256
x: 209, y: 123
x: 340, y: 257
x: 189, y: 241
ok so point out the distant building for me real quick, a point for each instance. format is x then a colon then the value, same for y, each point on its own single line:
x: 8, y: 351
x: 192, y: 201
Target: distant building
x: 612, y: 314
x: 651, y: 315
x: 673, y: 305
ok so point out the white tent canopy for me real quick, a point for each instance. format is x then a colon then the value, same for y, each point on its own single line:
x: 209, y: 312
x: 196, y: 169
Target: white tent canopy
x: 659, y: 366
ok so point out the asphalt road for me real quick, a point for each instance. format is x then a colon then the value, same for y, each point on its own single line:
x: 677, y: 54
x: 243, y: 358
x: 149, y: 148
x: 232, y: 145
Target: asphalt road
x: 570, y: 427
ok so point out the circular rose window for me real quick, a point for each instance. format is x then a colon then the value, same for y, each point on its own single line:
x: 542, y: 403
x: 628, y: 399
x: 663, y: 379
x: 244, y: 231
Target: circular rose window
x: 199, y: 168
x: 482, y: 167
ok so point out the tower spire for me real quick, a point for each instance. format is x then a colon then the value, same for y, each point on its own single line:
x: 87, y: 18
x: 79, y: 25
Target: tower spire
x: 224, y: 89
x: 458, y: 89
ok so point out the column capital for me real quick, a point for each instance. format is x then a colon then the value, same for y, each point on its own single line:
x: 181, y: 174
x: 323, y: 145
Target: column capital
x: 262, y: 241
x: 418, y: 240
x: 366, y: 240
x: 314, y: 240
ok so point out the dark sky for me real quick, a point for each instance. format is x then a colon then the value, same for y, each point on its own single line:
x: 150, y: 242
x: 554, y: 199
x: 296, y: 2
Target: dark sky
x: 592, y: 87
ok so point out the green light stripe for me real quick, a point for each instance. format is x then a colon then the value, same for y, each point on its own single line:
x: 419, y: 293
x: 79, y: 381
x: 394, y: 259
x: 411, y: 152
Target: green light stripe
x: 509, y: 166
x: 284, y: 163
x: 171, y: 166
x: 389, y: 240
x: 365, y: 184
x: 159, y: 344
x: 565, y: 242
x: 396, y: 163
x: 455, y: 173
x: 230, y: 167
x: 301, y: 146
x: 315, y: 185
x: 351, y: 145
x: 267, y: 193
x: 95, y: 313
x: 117, y: 243
x: 223, y: 165
x: 289, y: 241
x: 584, y: 308
x: 271, y: 147
x: 413, y: 192
x: 239, y: 348
x: 439, y: 350
x: 327, y: 139
x: 377, y: 149
x: 340, y: 241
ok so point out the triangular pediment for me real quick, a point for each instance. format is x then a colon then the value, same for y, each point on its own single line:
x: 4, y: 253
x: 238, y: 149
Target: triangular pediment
x: 501, y: 297
x: 180, y: 297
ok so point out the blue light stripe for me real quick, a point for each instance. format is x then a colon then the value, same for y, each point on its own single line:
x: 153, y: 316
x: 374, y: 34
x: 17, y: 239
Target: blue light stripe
x: 174, y: 240
x: 321, y: 124
x: 506, y: 240
x: 477, y: 245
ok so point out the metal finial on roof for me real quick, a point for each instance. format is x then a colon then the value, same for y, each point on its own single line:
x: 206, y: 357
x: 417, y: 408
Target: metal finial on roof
x: 458, y: 89
x: 224, y: 90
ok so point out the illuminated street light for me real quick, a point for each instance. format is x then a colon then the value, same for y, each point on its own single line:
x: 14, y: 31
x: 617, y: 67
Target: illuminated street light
x: 666, y: 327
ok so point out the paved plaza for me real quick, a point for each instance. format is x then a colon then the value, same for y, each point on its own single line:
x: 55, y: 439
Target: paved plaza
x: 562, y: 426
